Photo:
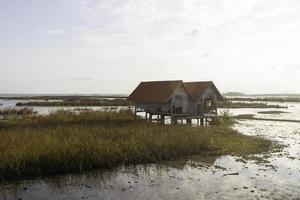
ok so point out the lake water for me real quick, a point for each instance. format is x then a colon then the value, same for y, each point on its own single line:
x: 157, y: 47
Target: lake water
x: 278, y: 177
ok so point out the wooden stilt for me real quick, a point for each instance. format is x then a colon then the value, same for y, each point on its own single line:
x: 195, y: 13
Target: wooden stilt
x: 173, y: 121
x: 189, y: 121
x: 202, y: 122
x: 162, y: 119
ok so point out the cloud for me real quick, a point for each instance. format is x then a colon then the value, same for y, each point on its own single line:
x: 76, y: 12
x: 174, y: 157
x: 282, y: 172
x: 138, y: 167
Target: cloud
x: 292, y: 70
x: 85, y: 78
x: 55, y: 31
x: 205, y: 55
x: 159, y: 24
x: 193, y: 32
x: 134, y: 40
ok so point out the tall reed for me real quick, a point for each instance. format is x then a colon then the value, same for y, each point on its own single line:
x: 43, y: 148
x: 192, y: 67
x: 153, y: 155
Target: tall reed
x: 65, y: 142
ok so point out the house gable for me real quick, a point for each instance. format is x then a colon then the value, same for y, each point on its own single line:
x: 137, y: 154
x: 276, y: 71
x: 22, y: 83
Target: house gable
x: 154, y: 91
x: 199, y: 89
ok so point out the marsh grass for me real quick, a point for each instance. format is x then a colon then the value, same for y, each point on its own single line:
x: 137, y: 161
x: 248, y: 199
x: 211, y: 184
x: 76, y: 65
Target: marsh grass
x: 272, y: 112
x: 65, y: 142
x: 225, y: 118
x: 15, y: 111
x: 79, y: 101
x: 232, y: 104
x: 270, y: 99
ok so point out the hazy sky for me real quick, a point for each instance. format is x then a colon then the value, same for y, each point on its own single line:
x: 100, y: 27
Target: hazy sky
x: 108, y: 46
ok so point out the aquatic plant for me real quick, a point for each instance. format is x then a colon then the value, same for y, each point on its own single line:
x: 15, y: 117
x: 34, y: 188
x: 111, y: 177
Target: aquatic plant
x: 275, y: 112
x: 223, y: 118
x: 16, y: 111
x: 269, y: 99
x: 232, y: 104
x: 80, y: 101
x: 65, y: 142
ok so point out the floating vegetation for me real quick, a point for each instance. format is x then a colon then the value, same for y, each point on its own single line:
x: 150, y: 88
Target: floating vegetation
x: 85, y: 102
x: 270, y: 99
x: 275, y: 112
x: 252, y: 117
x: 232, y: 104
x: 245, y: 116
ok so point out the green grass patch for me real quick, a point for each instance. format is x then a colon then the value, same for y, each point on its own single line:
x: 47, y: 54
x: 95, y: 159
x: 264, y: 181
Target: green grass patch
x: 65, y: 142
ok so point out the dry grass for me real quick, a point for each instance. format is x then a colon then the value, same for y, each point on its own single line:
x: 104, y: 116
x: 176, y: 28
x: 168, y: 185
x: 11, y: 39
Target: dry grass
x: 14, y: 111
x: 64, y: 142
x: 79, y: 101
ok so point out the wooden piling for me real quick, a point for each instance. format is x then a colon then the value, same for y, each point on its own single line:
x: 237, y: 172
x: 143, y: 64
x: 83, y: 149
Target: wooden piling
x: 202, y: 122
x: 162, y: 119
x: 173, y: 121
x: 189, y: 121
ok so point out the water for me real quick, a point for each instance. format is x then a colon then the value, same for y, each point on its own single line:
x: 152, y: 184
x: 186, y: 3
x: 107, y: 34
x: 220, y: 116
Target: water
x: 278, y: 177
x: 45, y: 110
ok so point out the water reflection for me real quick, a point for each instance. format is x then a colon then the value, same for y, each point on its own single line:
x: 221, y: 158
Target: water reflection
x: 190, y: 178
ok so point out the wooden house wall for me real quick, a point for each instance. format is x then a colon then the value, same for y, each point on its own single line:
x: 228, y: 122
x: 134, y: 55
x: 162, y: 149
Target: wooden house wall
x: 180, y: 98
x: 209, y: 93
x: 192, y: 106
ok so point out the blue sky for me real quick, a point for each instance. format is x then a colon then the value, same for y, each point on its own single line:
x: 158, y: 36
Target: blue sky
x: 108, y: 46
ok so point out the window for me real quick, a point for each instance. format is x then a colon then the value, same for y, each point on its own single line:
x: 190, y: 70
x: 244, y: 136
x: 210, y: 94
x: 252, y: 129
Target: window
x: 178, y: 96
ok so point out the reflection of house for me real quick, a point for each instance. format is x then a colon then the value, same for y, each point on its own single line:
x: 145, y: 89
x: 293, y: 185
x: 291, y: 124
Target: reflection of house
x: 176, y: 98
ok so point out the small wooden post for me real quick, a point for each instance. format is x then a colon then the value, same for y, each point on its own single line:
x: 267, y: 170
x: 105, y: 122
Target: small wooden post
x: 135, y: 112
x: 150, y: 117
x: 162, y: 119
x: 202, y: 121
x: 189, y: 121
x: 173, y: 121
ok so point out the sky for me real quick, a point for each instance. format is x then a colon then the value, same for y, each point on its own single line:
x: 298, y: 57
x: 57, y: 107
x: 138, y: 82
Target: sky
x: 109, y: 46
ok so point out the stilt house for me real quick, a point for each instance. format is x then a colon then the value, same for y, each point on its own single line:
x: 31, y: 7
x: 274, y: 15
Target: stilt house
x: 176, y: 98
